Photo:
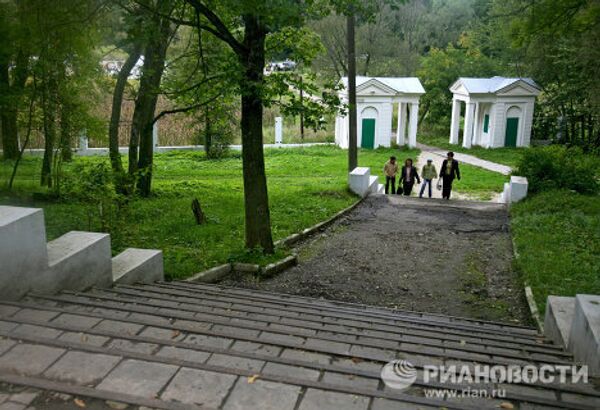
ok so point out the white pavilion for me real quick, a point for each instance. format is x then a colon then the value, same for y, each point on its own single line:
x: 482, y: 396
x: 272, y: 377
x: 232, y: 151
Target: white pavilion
x: 375, y: 99
x: 498, y: 111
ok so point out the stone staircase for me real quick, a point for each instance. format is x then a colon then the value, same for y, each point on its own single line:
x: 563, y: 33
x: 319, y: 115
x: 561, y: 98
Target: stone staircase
x: 186, y: 345
x: 76, y: 260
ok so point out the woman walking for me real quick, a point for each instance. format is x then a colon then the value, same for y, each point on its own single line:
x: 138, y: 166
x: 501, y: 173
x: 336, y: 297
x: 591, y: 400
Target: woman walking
x: 408, y: 176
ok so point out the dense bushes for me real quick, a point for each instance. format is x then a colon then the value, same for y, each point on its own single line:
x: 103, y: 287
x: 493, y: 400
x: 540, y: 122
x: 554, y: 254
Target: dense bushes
x: 558, y: 167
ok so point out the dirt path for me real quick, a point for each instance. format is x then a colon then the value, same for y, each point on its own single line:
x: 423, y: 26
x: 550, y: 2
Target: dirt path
x: 424, y: 255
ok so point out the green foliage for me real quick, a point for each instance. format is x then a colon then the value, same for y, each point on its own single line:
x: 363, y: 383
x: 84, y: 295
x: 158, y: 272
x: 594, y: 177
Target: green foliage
x: 91, y: 184
x: 558, y: 167
x: 557, y: 236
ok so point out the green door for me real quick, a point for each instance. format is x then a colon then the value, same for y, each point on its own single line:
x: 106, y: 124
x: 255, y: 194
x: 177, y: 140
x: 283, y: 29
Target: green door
x: 368, y: 133
x: 512, y: 127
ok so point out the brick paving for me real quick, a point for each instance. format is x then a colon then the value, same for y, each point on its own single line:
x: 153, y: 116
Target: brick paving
x: 185, y: 346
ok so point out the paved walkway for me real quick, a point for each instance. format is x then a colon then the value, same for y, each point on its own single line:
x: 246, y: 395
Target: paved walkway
x: 189, y: 346
x: 467, y: 159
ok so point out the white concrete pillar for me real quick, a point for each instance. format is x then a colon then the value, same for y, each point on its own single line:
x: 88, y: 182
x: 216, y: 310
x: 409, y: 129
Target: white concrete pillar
x: 455, y: 124
x: 278, y: 130
x: 414, y: 119
x: 469, y: 119
x: 154, y: 135
x: 475, y: 140
x: 83, y: 140
x: 401, y: 130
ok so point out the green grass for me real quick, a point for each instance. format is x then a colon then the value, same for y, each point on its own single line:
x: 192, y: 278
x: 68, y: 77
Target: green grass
x: 479, y: 183
x: 306, y: 186
x: 557, y: 236
x: 505, y: 156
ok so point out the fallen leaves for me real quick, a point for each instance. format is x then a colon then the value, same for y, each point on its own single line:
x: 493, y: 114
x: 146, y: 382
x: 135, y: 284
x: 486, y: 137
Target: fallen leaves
x: 253, y: 378
x: 79, y: 403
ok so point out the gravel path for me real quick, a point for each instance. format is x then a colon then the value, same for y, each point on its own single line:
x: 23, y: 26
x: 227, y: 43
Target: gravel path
x: 414, y: 254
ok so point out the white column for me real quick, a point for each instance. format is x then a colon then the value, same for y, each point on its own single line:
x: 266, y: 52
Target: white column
x: 455, y: 124
x: 476, y: 126
x: 468, y: 132
x: 414, y: 119
x: 83, y: 140
x: 154, y: 135
x: 401, y: 131
x: 278, y: 130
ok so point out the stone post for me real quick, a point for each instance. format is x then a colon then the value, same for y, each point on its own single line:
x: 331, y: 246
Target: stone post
x: 278, y: 130
x: 468, y: 132
x: 414, y: 119
x: 455, y: 124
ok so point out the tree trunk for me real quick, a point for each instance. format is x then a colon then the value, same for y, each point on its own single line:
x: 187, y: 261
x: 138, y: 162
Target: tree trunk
x: 352, y: 132
x: 145, y: 104
x: 49, y: 120
x: 66, y: 133
x: 115, y: 115
x: 256, y: 199
x: 8, y: 115
x: 207, y: 132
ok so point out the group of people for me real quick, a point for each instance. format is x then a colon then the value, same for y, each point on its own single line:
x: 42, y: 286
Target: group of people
x: 409, y: 174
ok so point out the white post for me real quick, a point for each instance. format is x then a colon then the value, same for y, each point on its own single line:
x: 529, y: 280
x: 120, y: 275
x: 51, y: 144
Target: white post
x: 401, y: 131
x: 468, y: 132
x: 476, y: 127
x: 414, y: 119
x: 455, y: 124
x: 83, y: 140
x: 154, y: 135
x: 278, y: 130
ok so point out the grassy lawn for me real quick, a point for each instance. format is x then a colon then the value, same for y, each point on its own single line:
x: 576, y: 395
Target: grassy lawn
x: 479, y: 183
x: 306, y: 185
x: 506, y: 156
x: 557, y: 235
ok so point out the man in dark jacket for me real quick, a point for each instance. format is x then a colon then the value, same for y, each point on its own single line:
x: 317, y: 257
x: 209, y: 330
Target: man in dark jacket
x: 407, y: 177
x: 448, y: 172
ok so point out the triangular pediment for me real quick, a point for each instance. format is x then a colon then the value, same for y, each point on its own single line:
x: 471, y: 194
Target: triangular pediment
x: 519, y: 88
x: 459, y: 88
x: 374, y: 87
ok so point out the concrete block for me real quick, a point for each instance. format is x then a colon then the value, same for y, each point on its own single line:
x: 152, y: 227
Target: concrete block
x: 358, y: 180
x: 246, y: 267
x: 373, y: 184
x: 558, y: 319
x: 518, y: 188
x: 212, y: 275
x: 381, y: 189
x: 584, y: 339
x: 138, y: 266
x: 277, y: 267
x: 22, y: 250
x: 77, y: 261
x: 505, y: 196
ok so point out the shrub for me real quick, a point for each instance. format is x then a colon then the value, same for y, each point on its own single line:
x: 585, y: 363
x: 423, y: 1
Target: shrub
x: 558, y: 167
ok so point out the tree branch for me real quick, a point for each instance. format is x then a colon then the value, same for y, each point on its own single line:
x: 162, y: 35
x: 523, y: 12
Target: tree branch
x: 186, y: 109
x: 219, y: 30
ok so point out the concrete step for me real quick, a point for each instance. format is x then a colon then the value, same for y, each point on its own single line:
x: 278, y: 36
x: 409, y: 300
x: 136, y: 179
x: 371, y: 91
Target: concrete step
x: 138, y: 266
x: 96, y: 336
x: 366, y: 313
x: 401, y: 333
x: 558, y: 319
x: 373, y: 184
x: 381, y: 189
x: 77, y: 260
x: 23, y: 249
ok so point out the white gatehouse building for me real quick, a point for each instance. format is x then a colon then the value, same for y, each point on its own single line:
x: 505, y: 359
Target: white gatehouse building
x: 498, y: 111
x: 376, y: 99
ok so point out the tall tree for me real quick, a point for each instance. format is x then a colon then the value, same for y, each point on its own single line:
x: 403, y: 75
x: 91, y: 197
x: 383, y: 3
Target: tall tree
x: 158, y: 33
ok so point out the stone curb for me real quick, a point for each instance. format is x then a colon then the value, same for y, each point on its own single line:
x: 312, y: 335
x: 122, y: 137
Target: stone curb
x: 533, y: 309
x: 273, y: 269
x: 245, y: 267
x: 212, y: 275
x: 297, y: 237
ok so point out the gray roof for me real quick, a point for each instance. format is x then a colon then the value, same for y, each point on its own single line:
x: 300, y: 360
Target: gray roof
x: 491, y: 85
x: 407, y: 85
